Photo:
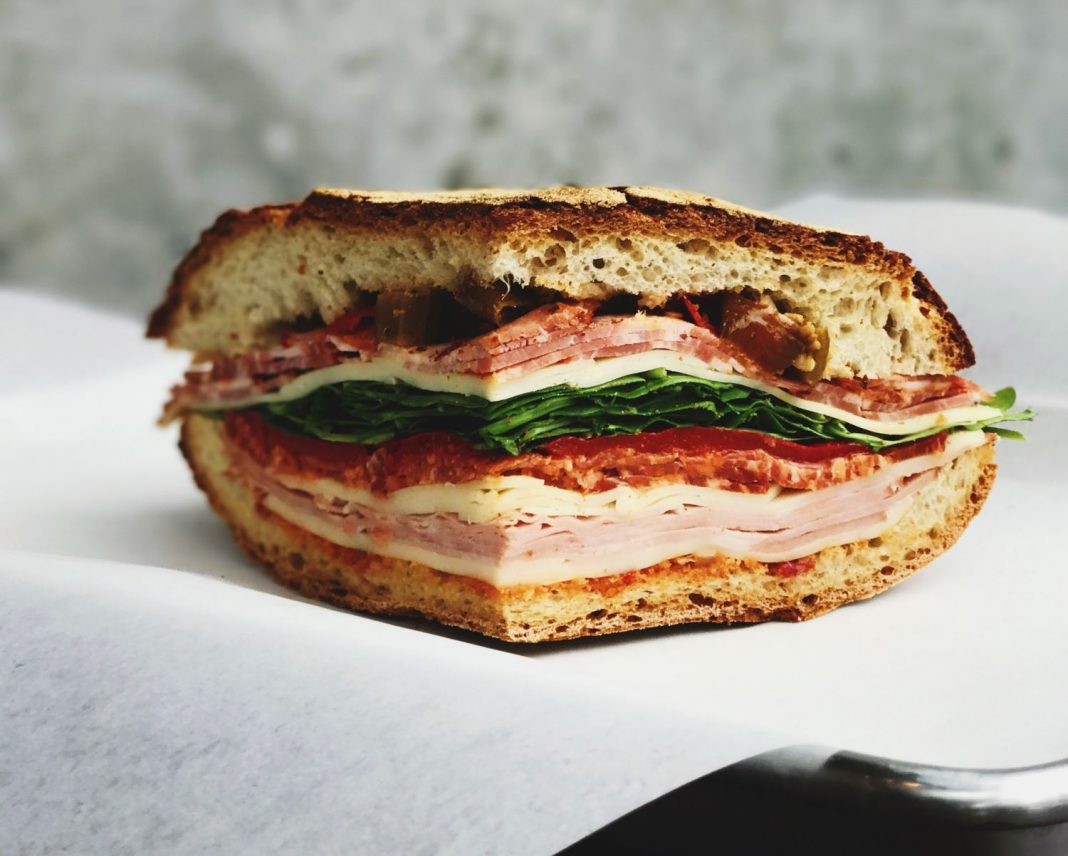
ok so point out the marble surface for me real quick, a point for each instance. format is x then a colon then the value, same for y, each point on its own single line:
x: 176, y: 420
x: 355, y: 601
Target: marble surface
x: 126, y: 127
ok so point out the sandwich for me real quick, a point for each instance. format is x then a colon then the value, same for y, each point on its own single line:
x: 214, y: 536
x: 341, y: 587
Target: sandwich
x: 575, y: 411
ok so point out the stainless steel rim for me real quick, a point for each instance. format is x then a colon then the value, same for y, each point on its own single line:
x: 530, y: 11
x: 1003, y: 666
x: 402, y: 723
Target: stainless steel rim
x: 1019, y: 796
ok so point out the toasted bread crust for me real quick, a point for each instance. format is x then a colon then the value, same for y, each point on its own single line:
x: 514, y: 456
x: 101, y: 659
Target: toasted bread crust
x: 492, y: 218
x: 619, y: 210
x: 684, y: 590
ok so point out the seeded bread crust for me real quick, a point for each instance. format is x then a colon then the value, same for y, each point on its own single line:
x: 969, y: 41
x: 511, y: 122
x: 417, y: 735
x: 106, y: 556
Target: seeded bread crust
x: 255, y: 271
x: 685, y: 590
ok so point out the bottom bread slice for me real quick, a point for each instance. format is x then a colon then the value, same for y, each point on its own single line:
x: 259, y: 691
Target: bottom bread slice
x: 683, y: 590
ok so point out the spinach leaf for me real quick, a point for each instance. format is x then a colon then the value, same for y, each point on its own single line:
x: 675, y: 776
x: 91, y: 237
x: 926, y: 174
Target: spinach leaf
x: 372, y: 413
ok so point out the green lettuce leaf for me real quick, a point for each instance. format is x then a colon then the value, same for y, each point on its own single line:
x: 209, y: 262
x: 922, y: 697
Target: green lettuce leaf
x: 372, y: 413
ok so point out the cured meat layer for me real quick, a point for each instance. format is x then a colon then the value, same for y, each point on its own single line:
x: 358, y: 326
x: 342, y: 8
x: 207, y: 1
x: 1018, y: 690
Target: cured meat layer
x: 552, y: 335
x: 527, y: 544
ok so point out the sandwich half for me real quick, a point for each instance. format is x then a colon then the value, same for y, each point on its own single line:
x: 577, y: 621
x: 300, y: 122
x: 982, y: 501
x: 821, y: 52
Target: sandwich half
x: 575, y: 411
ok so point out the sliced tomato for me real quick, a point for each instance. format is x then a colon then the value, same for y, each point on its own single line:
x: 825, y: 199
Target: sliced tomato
x: 696, y: 315
x: 350, y: 322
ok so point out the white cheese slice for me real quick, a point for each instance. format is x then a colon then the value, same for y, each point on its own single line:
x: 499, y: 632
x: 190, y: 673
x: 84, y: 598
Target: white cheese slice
x: 485, y: 500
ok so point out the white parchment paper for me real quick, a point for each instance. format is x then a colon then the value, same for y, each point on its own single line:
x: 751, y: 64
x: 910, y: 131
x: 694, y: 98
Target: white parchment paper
x: 160, y: 693
x: 153, y: 711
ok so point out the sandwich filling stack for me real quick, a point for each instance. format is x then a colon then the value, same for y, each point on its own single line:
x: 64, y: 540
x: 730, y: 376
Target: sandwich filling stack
x: 543, y: 415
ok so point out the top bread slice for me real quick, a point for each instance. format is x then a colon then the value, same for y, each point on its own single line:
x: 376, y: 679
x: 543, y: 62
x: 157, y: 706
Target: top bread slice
x: 255, y: 272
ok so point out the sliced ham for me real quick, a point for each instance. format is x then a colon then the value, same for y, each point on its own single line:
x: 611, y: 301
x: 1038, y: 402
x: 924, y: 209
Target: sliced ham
x: 560, y: 333
x: 548, y: 336
x: 519, y: 547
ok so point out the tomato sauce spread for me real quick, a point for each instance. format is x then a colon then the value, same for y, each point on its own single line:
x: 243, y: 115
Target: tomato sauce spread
x: 744, y: 461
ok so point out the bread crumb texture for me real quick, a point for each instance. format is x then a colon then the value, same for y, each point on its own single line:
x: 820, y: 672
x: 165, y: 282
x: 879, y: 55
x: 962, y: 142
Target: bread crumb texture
x: 684, y: 590
x: 253, y: 272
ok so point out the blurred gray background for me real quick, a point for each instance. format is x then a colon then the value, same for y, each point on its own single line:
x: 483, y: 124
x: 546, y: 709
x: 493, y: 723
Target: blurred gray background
x: 125, y: 127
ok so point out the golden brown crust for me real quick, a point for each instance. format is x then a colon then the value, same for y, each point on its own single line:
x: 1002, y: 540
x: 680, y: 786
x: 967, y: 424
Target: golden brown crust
x: 498, y: 216
x: 931, y: 302
x: 683, y: 590
x: 623, y: 211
